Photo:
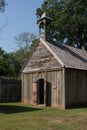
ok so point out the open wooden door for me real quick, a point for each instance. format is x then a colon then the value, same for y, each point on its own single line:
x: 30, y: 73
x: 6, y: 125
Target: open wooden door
x: 42, y: 93
x: 35, y: 93
x: 38, y: 92
x: 48, y: 94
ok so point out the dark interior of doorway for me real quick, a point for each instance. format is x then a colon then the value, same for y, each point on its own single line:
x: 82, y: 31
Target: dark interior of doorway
x: 40, y: 91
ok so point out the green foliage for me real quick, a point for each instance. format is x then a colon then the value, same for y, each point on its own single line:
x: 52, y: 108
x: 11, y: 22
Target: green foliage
x: 14, y: 65
x: 9, y: 66
x: 21, y: 55
x: 69, y: 20
x: 3, y: 62
x: 25, y: 42
x: 11, y: 63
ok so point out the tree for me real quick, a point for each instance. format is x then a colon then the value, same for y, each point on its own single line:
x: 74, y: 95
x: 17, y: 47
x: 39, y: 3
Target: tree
x: 13, y: 65
x: 2, y: 5
x: 69, y: 20
x: 24, y: 42
x: 9, y: 65
x: 3, y: 55
x: 21, y: 56
x: 3, y: 62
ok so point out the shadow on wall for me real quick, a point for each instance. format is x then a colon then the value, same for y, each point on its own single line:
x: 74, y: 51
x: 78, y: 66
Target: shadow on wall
x: 12, y: 109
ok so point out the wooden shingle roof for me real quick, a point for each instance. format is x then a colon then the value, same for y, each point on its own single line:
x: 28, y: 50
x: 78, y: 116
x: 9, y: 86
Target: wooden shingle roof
x: 64, y: 56
x: 71, y: 57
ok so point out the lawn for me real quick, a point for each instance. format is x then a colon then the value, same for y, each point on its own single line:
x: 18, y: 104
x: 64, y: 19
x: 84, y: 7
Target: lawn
x: 17, y: 116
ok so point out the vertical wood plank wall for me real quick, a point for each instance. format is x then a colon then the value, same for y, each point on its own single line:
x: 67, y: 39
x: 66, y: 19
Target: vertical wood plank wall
x: 76, y: 88
x: 54, y: 78
x: 68, y: 87
x: 27, y: 88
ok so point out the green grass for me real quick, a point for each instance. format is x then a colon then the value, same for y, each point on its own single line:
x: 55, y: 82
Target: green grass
x: 17, y: 116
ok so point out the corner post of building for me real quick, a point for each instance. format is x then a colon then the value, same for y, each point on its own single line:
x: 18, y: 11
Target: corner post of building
x: 64, y: 96
x: 45, y: 92
x: 22, y: 87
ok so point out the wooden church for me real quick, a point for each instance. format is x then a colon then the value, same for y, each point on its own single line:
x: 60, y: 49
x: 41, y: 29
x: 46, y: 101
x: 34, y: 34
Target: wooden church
x: 55, y: 74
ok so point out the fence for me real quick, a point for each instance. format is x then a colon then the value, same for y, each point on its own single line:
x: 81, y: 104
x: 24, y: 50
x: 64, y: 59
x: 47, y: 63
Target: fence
x: 10, y: 90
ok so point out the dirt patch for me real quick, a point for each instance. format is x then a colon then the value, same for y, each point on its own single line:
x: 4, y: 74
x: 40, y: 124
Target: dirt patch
x: 60, y: 121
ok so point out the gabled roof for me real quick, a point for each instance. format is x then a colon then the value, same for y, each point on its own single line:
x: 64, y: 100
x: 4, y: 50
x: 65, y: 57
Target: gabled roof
x: 69, y: 57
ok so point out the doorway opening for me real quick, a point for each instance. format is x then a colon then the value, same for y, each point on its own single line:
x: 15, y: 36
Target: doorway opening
x: 40, y: 91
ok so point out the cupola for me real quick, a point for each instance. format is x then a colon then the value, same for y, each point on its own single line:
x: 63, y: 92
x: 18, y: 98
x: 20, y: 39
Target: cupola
x: 44, y: 23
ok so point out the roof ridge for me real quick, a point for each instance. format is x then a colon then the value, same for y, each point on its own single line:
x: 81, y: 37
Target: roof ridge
x: 57, y: 58
x: 70, y: 46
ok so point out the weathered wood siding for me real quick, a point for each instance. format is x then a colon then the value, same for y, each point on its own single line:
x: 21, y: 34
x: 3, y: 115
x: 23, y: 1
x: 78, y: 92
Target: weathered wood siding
x: 54, y: 87
x: 42, y: 65
x: 63, y: 87
x: 56, y: 78
x: 27, y: 88
x: 41, y: 59
x: 76, y: 88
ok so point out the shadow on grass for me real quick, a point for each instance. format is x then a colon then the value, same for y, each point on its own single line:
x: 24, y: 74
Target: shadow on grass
x: 12, y: 109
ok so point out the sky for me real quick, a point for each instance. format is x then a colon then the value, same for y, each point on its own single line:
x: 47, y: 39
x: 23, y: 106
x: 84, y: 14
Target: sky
x: 19, y: 17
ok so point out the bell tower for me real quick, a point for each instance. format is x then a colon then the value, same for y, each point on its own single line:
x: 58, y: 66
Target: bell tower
x: 44, y: 23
